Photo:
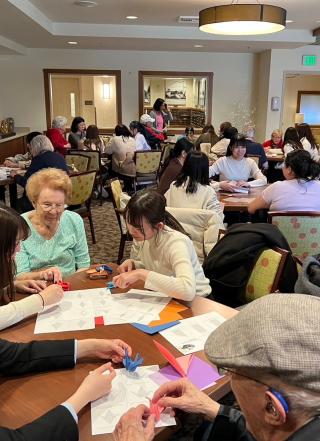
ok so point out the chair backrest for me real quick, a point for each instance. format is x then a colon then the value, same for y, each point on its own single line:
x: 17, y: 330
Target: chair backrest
x: 82, y: 186
x: 95, y: 159
x: 256, y: 159
x: 116, y: 197
x: 301, y: 229
x: 202, y: 225
x: 205, y: 147
x: 79, y: 161
x: 166, y: 152
x: 266, y: 273
x: 147, y: 162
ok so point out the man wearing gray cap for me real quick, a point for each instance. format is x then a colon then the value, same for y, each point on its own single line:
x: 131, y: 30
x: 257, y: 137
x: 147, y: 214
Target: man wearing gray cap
x: 271, y: 351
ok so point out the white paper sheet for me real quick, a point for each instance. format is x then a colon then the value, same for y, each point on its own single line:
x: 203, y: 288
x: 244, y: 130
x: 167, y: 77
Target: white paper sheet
x: 191, y: 334
x: 128, y: 390
x: 235, y: 199
x: 78, y: 310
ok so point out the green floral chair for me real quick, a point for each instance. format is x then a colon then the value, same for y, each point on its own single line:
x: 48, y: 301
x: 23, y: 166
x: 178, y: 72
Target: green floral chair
x: 80, y: 202
x: 147, y: 167
x: 301, y: 229
x: 80, y: 163
x: 266, y: 274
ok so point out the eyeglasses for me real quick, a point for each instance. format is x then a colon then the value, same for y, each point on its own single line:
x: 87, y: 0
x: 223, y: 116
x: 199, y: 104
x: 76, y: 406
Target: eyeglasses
x: 47, y: 206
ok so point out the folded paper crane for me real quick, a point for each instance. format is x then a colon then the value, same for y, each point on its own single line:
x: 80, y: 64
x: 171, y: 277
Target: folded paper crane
x: 131, y: 364
x: 155, y: 410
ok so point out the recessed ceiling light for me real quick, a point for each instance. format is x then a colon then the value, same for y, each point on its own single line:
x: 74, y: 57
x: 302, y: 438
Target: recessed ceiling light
x: 131, y: 17
x: 72, y: 42
x: 198, y: 45
x: 289, y: 21
x: 85, y: 3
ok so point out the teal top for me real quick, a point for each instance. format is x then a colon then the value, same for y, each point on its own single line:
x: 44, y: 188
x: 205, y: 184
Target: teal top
x: 67, y: 249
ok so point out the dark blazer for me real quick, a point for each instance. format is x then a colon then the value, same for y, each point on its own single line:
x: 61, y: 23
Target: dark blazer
x: 254, y: 148
x: 21, y: 358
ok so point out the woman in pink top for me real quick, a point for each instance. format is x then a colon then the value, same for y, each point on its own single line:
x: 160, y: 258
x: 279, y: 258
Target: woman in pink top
x: 299, y: 192
x: 161, y: 114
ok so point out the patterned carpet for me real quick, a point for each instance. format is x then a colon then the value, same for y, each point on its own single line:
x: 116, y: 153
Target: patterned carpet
x: 107, y: 234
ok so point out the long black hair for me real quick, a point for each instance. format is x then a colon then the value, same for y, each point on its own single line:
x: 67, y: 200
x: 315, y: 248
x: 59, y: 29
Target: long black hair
x: 304, y: 131
x: 302, y: 165
x: 76, y: 121
x: 150, y: 205
x: 291, y: 137
x: 195, y: 170
x: 183, y: 144
x: 236, y: 141
x: 157, y: 104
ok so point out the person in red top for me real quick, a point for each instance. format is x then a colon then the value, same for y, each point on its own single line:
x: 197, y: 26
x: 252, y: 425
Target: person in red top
x: 147, y: 121
x: 55, y: 134
x: 276, y: 141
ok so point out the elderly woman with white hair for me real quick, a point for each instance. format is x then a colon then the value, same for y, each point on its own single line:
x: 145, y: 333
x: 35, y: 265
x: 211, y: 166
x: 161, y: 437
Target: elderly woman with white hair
x: 55, y: 134
x: 43, y: 156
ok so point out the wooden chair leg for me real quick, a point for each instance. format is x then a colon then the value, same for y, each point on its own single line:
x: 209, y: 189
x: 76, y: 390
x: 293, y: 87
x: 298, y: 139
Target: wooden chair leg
x: 100, y: 183
x: 91, y: 227
x: 121, y: 248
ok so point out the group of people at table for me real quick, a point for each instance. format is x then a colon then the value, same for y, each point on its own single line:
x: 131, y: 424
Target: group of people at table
x: 270, y: 355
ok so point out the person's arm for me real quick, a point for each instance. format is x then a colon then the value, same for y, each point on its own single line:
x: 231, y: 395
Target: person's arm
x: 14, y: 312
x: 259, y: 179
x: 213, y: 204
x: 214, y: 169
x: 58, y: 141
x: 257, y: 204
x: 81, y: 253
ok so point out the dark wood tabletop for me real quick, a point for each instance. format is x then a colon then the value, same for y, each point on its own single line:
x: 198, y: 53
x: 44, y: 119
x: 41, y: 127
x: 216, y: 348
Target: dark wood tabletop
x: 27, y: 397
x: 239, y: 201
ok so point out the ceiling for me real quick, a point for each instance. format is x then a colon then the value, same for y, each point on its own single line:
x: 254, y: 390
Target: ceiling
x: 28, y: 24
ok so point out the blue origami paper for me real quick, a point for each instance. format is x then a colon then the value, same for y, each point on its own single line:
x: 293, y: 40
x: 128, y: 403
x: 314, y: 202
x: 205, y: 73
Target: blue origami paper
x: 104, y: 268
x: 154, y: 329
x: 111, y: 285
x: 131, y: 364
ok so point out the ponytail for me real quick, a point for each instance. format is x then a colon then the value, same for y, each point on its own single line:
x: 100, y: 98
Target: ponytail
x: 302, y: 165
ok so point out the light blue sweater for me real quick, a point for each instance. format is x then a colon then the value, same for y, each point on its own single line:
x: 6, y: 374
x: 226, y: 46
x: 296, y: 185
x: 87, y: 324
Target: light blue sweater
x: 67, y: 249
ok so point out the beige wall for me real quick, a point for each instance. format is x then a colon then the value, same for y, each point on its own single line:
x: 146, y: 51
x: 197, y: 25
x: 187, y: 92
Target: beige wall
x: 105, y: 108
x: 87, y: 94
x: 262, y: 66
x: 290, y: 96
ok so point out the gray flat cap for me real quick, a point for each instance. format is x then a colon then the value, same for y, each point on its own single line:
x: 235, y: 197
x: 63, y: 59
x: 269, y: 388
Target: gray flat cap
x: 279, y: 334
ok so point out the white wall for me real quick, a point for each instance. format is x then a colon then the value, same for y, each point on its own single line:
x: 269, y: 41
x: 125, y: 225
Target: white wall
x: 22, y: 90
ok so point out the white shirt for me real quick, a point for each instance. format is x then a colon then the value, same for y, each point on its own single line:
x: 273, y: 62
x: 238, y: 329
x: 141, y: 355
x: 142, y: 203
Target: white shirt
x: 293, y: 195
x: 141, y: 143
x: 204, y: 198
x: 230, y: 169
x: 220, y: 148
x: 287, y: 148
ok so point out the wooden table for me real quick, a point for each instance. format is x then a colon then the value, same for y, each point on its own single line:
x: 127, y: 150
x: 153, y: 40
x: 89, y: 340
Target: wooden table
x: 238, y: 205
x: 13, y: 193
x: 27, y: 397
x: 275, y: 158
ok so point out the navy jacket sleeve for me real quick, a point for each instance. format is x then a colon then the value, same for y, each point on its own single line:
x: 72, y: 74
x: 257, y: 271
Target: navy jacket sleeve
x: 56, y: 425
x: 229, y: 425
x: 21, y: 358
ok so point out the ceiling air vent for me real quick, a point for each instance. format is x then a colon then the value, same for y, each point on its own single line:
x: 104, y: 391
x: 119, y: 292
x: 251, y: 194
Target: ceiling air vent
x: 191, y: 19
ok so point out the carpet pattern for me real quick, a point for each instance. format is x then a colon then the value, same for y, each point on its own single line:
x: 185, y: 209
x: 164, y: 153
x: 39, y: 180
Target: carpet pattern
x: 107, y: 234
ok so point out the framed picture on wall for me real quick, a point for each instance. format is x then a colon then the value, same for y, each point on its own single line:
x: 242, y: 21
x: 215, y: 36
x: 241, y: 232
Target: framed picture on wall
x: 309, y: 105
x: 175, y: 91
x: 146, y: 91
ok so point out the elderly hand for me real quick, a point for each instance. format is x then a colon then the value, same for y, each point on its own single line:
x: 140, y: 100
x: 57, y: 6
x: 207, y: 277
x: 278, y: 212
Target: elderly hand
x: 127, y: 265
x: 53, y: 273
x: 13, y: 173
x: 183, y: 395
x: 96, y: 385
x: 102, y: 348
x: 52, y: 294
x: 135, y: 425
x: 29, y: 286
x: 124, y: 280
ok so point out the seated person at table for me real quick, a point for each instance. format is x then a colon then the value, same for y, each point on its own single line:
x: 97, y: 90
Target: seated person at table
x: 188, y: 134
x: 270, y: 350
x: 192, y: 188
x: 139, y: 133
x: 220, y: 148
x: 275, y: 142
x: 162, y: 255
x: 61, y: 422
x: 307, y: 140
x: 208, y: 135
x: 55, y: 134
x: 291, y: 141
x: 93, y: 140
x: 299, y: 192
x: 43, y: 156
x: 173, y: 164
x: 22, y: 160
x: 235, y: 169
x: 147, y: 121
x: 255, y: 148
x: 77, y: 133
x: 58, y: 238
x: 13, y: 229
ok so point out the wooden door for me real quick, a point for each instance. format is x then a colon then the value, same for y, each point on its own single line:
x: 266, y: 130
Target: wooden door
x: 62, y: 98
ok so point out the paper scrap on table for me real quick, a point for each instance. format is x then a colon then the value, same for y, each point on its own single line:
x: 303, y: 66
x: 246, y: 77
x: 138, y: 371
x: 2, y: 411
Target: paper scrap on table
x: 199, y: 372
x: 235, y: 199
x: 78, y: 310
x: 191, y: 334
x: 154, y: 329
x: 170, y: 313
x: 128, y: 390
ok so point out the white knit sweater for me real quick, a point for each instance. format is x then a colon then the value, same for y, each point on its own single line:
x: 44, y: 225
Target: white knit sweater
x: 173, y: 264
x: 14, y: 312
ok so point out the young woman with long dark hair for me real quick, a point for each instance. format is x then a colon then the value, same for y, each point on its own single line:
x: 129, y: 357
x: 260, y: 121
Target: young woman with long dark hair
x: 307, y: 140
x: 162, y: 255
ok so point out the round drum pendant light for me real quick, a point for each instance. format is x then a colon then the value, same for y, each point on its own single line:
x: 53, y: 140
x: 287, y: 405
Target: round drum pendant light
x: 242, y: 19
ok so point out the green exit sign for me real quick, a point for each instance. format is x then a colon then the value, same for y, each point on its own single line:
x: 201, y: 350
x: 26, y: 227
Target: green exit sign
x: 309, y: 60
